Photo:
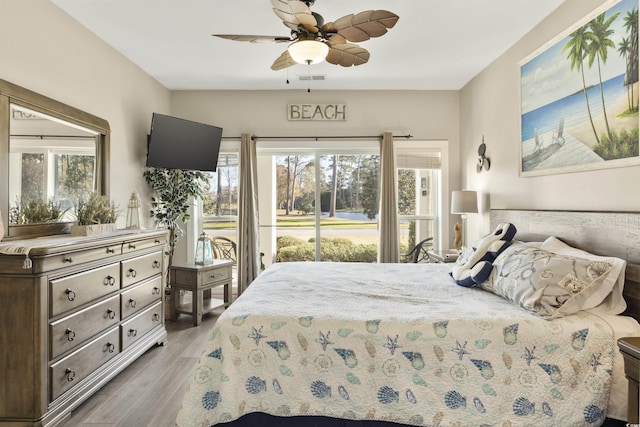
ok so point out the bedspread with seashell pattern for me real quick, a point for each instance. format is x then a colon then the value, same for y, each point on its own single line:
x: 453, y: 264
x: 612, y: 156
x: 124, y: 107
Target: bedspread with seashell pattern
x: 400, y: 343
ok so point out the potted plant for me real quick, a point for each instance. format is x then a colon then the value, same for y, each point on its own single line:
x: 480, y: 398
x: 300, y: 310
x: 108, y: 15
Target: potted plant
x: 174, y: 190
x: 37, y: 217
x: 95, y: 214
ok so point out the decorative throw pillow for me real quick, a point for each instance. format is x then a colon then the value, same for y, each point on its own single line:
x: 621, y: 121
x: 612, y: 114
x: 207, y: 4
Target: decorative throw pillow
x: 610, y: 293
x: 473, y: 266
x: 548, y: 284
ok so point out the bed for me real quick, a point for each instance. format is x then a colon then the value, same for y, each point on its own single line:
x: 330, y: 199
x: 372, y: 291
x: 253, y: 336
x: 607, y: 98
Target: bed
x: 402, y: 344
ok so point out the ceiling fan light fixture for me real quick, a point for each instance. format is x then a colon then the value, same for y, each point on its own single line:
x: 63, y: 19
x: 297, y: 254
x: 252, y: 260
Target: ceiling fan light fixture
x: 308, y: 51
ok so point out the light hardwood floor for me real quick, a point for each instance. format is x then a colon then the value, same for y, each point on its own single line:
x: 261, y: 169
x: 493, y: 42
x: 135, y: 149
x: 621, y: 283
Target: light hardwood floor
x: 149, y: 391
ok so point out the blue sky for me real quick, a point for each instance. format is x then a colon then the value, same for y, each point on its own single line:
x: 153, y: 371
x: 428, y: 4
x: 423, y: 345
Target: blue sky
x: 546, y: 75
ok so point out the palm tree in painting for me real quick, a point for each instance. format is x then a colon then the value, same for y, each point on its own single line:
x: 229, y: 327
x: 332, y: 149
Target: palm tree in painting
x: 598, y: 48
x: 577, y: 52
x: 631, y: 25
x: 624, y: 46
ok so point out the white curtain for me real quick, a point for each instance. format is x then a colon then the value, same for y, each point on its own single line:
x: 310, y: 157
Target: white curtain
x: 388, y: 248
x: 248, y: 237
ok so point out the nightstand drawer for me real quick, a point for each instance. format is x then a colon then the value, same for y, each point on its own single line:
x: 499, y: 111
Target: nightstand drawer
x: 218, y: 275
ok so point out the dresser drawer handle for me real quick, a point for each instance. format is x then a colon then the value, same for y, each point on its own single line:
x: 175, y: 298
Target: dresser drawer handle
x: 68, y: 259
x: 111, y: 251
x: 155, y: 264
x: 71, y: 335
x: 156, y: 241
x: 131, y: 272
x: 155, y: 291
x: 109, y: 280
x: 71, y: 374
x: 215, y: 276
x: 111, y: 314
x: 155, y: 317
x: 132, y: 246
x: 110, y: 347
x: 132, y: 332
x: 132, y: 303
x: 71, y: 296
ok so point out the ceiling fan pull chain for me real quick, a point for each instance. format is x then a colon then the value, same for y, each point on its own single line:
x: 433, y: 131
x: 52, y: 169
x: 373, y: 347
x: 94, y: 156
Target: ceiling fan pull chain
x: 309, y: 74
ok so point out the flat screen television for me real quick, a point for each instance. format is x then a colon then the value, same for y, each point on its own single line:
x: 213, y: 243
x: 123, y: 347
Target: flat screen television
x: 176, y: 143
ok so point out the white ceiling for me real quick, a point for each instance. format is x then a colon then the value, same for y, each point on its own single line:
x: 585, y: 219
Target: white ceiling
x: 436, y: 44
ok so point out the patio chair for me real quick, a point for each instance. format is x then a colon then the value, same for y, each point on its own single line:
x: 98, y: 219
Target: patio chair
x: 224, y: 248
x: 419, y: 251
x: 538, y: 139
x: 557, y: 137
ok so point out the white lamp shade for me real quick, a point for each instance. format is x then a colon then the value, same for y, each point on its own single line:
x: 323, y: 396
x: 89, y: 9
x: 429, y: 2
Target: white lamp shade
x: 308, y: 51
x: 463, y: 202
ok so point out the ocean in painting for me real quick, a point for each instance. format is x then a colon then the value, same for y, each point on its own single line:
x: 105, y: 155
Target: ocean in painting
x: 573, y: 108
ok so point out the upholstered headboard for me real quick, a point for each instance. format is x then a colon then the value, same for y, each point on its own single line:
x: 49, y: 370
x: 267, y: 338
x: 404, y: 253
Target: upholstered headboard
x: 602, y: 233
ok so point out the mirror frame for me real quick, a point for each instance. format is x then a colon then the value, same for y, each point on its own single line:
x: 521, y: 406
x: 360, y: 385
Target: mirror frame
x: 13, y: 94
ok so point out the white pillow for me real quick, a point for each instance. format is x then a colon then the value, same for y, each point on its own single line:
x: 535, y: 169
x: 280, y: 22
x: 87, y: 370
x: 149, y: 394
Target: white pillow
x: 610, y: 295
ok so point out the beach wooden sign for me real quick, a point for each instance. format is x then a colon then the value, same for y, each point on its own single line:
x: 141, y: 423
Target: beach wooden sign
x: 310, y: 112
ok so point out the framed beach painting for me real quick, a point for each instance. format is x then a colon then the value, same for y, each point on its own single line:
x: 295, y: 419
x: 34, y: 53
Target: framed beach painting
x: 579, y: 96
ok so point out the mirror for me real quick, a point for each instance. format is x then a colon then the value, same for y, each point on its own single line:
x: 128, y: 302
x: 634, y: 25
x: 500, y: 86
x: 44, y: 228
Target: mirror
x: 50, y: 154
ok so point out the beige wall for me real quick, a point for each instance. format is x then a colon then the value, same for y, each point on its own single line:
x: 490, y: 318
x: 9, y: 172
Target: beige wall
x: 490, y: 106
x: 45, y: 50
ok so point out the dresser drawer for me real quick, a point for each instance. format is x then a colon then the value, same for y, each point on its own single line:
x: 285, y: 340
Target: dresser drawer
x: 55, y: 262
x: 140, y: 268
x: 70, y: 292
x: 140, y: 324
x: 71, y: 331
x: 136, y: 245
x: 138, y: 297
x: 212, y: 276
x: 70, y: 370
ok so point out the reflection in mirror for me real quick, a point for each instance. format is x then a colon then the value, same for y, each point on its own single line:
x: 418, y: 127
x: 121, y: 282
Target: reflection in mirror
x: 53, y: 162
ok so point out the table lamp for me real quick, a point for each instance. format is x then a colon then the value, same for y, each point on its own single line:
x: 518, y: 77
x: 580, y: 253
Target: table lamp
x: 463, y: 202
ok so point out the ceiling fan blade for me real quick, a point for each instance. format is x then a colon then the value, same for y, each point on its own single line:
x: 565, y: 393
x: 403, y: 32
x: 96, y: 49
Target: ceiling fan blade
x: 253, y: 39
x: 336, y: 39
x: 283, y: 61
x: 347, y: 55
x: 363, y: 26
x: 295, y: 13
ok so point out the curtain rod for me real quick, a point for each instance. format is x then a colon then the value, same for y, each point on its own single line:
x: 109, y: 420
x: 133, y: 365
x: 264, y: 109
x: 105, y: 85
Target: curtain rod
x: 52, y: 136
x: 316, y: 138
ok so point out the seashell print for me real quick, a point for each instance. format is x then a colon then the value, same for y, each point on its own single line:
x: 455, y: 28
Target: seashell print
x: 349, y: 415
x: 349, y: 357
x: 523, y: 407
x: 277, y: 325
x: 202, y: 374
x: 241, y: 407
x: 437, y: 350
x: 458, y: 372
x: 216, y: 354
x: 527, y: 378
x: 438, y: 373
x: 305, y: 321
x: 344, y: 332
x: 235, y: 341
x: 371, y: 348
x: 488, y: 390
x: 391, y: 367
x: 320, y: 390
x: 371, y: 413
x: 304, y: 408
x: 417, y: 380
x: 323, y: 363
x: 416, y: 420
x: 550, y: 348
x: 343, y: 392
x: 256, y: 357
x: 303, y: 342
x: 553, y: 371
x: 508, y: 362
x: 479, y: 406
x: 440, y: 328
x: 579, y: 339
x: 286, y: 371
x: 437, y: 419
x: 455, y: 400
x: 372, y: 326
x: 283, y: 410
x: 575, y: 365
x: 387, y: 395
x: 510, y: 334
x: 593, y: 414
x: 482, y: 344
x: 415, y: 358
x: 597, y: 269
x: 485, y: 368
x: 556, y: 394
x: 353, y: 379
x: 281, y: 348
x: 413, y: 335
x: 410, y: 396
x: 304, y: 361
x: 546, y: 409
x: 239, y: 320
x: 255, y: 385
x: 276, y: 386
x: 506, y: 424
x: 210, y: 400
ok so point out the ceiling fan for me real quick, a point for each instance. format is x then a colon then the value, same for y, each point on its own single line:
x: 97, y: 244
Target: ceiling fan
x: 312, y: 40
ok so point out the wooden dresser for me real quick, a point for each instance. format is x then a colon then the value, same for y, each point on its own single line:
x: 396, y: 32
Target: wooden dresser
x: 84, y: 309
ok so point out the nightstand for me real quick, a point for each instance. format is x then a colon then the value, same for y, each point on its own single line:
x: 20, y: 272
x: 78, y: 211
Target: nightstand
x: 630, y: 349
x: 199, y: 279
x: 439, y: 255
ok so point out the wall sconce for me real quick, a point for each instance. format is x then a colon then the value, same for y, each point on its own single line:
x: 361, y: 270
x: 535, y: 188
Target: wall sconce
x: 463, y: 202
x: 204, y: 250
x: 134, y: 220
